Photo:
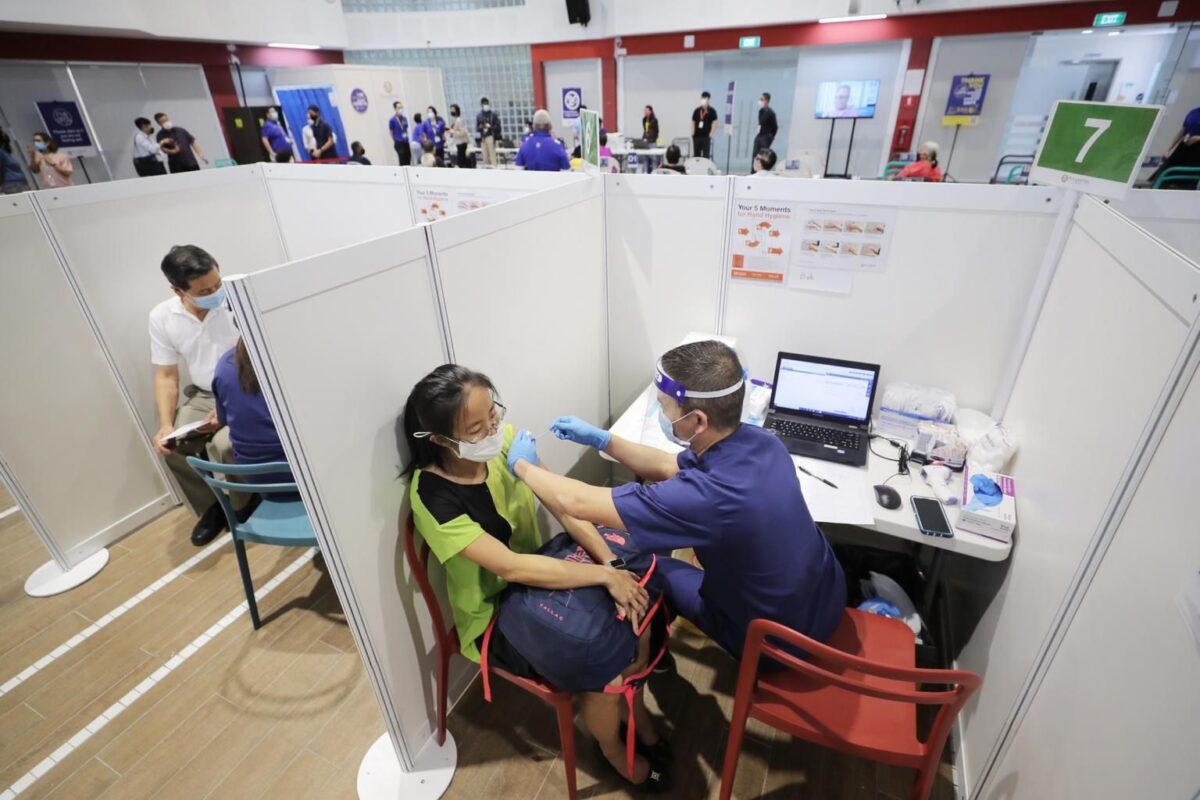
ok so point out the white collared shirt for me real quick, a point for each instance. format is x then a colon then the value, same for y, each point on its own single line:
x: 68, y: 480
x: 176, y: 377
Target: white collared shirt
x: 176, y: 333
x: 144, y: 145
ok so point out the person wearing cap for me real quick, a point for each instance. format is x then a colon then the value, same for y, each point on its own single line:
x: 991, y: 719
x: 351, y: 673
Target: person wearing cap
x: 731, y: 495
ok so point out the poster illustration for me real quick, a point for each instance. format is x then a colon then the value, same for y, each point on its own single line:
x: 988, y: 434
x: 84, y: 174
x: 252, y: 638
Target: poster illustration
x: 965, y: 103
x: 847, y: 238
x: 762, y: 240
x: 432, y: 204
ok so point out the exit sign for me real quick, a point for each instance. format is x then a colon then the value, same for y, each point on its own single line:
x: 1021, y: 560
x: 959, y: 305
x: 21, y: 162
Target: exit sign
x: 1109, y: 20
x: 756, y: 41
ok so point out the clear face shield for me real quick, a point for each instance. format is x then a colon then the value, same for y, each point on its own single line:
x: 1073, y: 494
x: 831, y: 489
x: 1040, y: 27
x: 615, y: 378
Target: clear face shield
x: 677, y: 391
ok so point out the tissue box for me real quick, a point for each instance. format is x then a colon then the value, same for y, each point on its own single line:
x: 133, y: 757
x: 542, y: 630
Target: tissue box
x: 989, y: 505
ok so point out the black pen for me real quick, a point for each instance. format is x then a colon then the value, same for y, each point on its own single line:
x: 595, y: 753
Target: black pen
x: 816, y: 477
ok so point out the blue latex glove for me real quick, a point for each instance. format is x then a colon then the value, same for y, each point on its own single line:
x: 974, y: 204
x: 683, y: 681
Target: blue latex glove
x: 523, y: 448
x: 573, y: 429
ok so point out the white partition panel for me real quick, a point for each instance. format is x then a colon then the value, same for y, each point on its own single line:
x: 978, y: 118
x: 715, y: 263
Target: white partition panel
x: 946, y: 309
x: 71, y: 449
x: 523, y: 286
x: 441, y: 193
x: 338, y: 340
x: 664, y: 240
x: 326, y: 206
x: 1173, y: 216
x: 113, y: 237
x: 1092, y: 382
x: 1118, y: 711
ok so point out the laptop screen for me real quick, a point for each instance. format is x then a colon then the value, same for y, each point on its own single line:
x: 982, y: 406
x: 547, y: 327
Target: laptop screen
x: 826, y: 388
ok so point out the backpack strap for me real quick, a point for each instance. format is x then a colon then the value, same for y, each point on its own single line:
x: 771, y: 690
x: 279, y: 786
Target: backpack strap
x: 633, y: 684
x: 483, y: 658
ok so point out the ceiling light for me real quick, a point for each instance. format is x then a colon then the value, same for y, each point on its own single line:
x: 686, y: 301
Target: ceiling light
x: 295, y: 46
x: 857, y: 18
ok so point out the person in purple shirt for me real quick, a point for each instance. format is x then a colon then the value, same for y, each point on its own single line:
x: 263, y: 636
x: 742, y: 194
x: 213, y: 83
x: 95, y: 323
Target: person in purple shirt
x: 433, y: 129
x: 541, y: 152
x: 732, y: 495
x: 398, y: 126
x: 241, y: 407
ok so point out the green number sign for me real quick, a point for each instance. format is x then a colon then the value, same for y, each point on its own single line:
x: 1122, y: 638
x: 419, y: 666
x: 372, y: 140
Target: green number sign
x: 1095, y: 147
x: 589, y: 137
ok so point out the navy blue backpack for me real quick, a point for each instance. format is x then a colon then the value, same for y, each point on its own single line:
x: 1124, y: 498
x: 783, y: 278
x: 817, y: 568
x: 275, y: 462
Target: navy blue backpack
x: 573, y: 637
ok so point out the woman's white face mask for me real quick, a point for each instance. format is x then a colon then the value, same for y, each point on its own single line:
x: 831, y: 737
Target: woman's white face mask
x: 483, y: 450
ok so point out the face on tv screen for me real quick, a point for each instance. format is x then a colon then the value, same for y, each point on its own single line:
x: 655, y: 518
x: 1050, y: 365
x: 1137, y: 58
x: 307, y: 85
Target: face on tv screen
x: 847, y: 99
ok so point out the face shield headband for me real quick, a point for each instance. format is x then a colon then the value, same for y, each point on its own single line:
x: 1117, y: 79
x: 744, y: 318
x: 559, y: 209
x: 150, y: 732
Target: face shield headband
x: 673, y: 388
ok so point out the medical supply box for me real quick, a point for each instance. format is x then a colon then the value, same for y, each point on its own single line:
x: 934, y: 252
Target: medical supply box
x: 989, y: 505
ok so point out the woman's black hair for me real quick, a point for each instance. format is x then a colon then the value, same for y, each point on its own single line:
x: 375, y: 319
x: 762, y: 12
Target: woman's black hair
x: 455, y: 110
x: 433, y: 406
x: 51, y: 145
x: 651, y: 109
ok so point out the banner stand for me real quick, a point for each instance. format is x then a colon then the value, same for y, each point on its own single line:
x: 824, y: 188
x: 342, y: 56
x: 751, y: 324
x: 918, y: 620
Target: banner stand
x: 50, y: 579
x: 380, y: 776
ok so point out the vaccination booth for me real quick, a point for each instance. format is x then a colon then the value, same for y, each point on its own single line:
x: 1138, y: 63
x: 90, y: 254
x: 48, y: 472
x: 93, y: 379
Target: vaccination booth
x: 1070, y: 319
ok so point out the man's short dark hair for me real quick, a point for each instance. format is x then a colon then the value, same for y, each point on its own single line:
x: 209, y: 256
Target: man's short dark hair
x: 484, y: 100
x: 705, y: 94
x: 396, y: 103
x: 707, y: 367
x: 673, y: 154
x: 186, y: 262
x: 314, y: 108
x: 140, y: 122
x: 158, y: 117
x: 767, y: 157
x: 767, y: 96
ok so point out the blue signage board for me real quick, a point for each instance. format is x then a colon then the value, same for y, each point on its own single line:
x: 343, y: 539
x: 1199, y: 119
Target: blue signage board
x: 572, y: 99
x: 65, y: 125
x: 966, y: 95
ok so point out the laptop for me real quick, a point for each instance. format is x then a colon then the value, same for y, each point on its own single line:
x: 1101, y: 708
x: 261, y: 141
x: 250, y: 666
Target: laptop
x: 640, y: 144
x: 821, y: 407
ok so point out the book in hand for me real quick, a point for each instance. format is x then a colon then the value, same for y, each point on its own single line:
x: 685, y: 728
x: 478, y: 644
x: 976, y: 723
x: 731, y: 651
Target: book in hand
x: 183, y: 432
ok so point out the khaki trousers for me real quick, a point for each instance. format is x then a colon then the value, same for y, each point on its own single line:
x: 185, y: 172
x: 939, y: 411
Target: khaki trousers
x: 215, y: 447
x: 488, y: 145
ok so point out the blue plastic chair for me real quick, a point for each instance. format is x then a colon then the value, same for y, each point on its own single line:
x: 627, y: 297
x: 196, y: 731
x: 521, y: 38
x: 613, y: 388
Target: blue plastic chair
x: 281, y: 521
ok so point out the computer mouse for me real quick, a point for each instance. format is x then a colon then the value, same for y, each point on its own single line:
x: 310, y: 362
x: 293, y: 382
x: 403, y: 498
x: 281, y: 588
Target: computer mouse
x: 886, y: 496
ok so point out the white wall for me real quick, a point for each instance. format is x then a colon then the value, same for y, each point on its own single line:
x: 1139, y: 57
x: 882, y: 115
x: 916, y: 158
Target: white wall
x: 534, y: 21
x: 583, y: 73
x: 872, y: 137
x: 671, y: 83
x: 259, y: 22
x: 418, y: 87
x: 1001, y: 57
x: 1183, y: 94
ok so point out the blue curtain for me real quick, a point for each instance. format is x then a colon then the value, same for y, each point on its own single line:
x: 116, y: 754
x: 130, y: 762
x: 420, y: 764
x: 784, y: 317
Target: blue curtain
x: 294, y: 102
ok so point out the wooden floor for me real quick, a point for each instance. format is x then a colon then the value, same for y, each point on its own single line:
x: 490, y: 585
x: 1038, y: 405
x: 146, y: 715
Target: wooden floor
x: 287, y: 712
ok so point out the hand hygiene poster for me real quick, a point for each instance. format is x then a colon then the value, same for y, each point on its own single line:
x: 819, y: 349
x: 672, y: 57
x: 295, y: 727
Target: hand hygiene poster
x: 817, y: 248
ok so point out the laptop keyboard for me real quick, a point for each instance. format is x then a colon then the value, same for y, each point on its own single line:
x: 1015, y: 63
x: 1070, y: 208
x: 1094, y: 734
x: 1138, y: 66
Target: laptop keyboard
x: 816, y: 433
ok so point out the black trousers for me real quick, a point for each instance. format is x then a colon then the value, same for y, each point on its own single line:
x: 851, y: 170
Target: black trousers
x: 403, y: 152
x: 762, y: 142
x: 148, y: 165
x: 461, y: 155
x: 702, y: 146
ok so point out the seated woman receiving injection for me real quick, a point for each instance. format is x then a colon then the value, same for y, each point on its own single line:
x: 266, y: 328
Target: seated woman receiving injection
x: 481, y: 524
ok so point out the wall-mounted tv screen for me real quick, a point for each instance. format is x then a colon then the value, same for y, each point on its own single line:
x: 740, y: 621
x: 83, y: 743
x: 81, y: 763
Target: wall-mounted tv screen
x: 847, y: 99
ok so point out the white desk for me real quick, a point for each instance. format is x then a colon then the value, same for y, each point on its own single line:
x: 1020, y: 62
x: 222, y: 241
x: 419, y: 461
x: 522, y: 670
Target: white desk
x: 898, y: 522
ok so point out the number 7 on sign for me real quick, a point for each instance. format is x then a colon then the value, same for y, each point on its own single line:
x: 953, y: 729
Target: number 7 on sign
x: 1101, y: 125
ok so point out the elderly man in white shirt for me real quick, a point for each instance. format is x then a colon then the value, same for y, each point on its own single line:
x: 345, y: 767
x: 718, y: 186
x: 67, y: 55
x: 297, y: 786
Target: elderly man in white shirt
x: 148, y: 157
x: 195, y: 327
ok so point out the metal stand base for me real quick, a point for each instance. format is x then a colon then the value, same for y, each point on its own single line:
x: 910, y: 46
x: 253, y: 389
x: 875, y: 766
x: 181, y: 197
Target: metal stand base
x: 380, y: 776
x: 49, y: 579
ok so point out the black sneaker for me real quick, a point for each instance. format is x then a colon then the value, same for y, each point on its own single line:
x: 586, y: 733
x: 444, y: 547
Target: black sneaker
x: 658, y: 779
x: 210, y: 524
x: 660, y: 752
x: 665, y: 665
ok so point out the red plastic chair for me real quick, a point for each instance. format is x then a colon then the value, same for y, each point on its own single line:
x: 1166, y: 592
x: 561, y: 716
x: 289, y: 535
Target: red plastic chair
x: 448, y: 645
x: 859, y: 695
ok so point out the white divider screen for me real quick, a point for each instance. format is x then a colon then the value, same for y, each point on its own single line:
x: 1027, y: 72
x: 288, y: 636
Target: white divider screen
x: 523, y: 286
x: 441, y: 193
x: 338, y: 340
x: 946, y: 306
x: 326, y: 206
x: 114, y: 236
x: 664, y: 239
x: 1171, y: 215
x: 1110, y: 333
x: 83, y: 479
x: 1121, y: 690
